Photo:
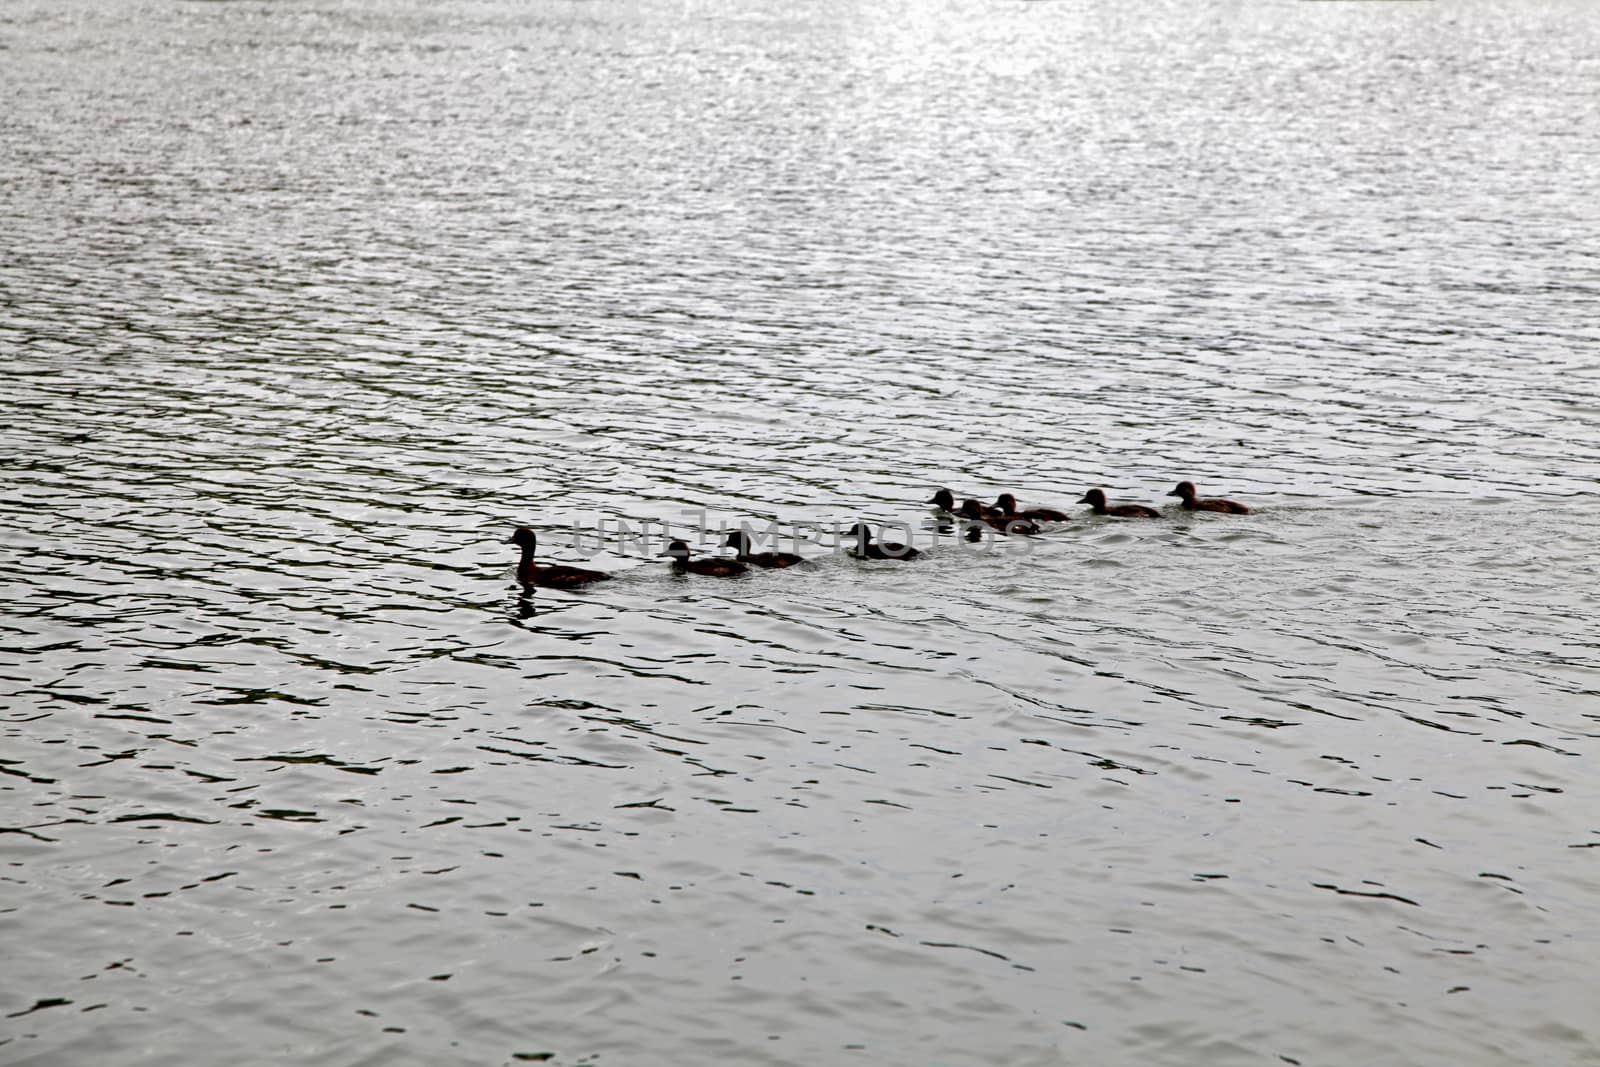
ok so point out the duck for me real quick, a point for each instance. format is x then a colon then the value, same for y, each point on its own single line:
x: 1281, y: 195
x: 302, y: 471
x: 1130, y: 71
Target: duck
x: 1096, y: 499
x: 1186, y: 492
x: 551, y: 575
x: 866, y: 548
x: 739, y: 541
x: 975, y: 511
x: 716, y: 567
x: 944, y: 500
x: 1006, y: 504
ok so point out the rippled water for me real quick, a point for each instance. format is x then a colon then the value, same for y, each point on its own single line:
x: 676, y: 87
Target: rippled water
x: 303, y: 305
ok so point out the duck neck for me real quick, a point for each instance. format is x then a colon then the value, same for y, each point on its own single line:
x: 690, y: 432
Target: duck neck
x: 527, y: 568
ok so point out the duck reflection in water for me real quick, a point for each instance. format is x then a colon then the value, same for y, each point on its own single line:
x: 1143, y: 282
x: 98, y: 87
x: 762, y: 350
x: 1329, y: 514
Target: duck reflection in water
x: 527, y: 606
x: 548, y: 617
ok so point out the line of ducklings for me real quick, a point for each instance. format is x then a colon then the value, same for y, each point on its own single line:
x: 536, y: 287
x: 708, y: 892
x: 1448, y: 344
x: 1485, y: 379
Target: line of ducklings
x: 1003, y: 516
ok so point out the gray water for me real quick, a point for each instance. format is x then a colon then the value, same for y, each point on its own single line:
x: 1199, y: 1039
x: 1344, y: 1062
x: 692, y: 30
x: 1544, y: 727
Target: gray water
x: 307, y: 303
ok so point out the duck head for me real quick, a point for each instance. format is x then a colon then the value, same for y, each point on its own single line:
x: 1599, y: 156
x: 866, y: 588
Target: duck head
x: 1094, y: 498
x: 1006, y: 503
x: 944, y: 500
x: 1184, y: 490
x: 524, y: 537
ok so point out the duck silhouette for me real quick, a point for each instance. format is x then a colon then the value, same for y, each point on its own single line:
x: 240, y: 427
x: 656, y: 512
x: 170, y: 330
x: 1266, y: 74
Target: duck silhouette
x: 1185, y: 491
x: 1006, y: 504
x: 975, y: 512
x: 550, y: 575
x: 866, y: 548
x: 1096, y: 499
x: 739, y: 541
x: 715, y: 567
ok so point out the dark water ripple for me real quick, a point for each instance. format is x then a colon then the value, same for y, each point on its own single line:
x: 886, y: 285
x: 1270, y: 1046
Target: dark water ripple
x: 303, y: 307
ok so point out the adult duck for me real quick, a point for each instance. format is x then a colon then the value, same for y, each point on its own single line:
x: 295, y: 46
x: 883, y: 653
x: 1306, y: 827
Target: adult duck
x: 866, y: 548
x: 1185, y: 491
x: 1006, y: 504
x: 739, y: 541
x: 550, y: 575
x: 1096, y: 499
x: 715, y: 567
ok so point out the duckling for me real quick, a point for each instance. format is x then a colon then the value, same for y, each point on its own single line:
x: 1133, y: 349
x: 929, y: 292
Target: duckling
x: 974, y: 511
x: 715, y: 568
x: 1096, y: 499
x: 739, y: 541
x: 553, y: 575
x: 1186, y: 491
x: 1007, y: 506
x: 866, y: 548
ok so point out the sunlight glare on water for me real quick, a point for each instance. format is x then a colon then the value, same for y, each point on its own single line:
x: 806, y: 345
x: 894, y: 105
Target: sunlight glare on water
x: 306, y: 304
